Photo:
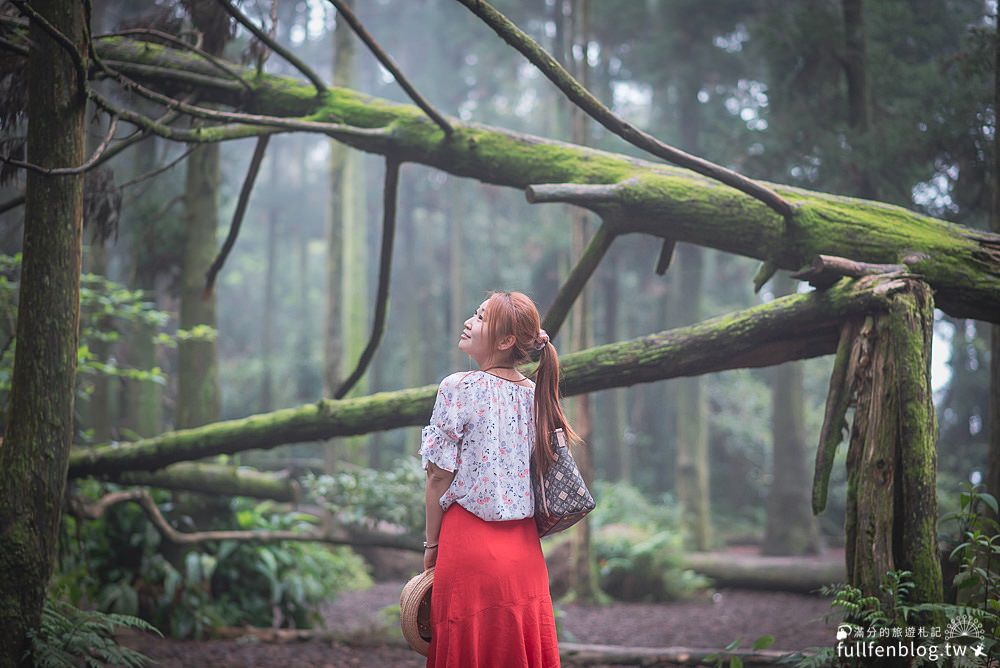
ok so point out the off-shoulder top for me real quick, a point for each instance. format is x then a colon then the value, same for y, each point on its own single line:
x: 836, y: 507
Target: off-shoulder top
x: 483, y: 428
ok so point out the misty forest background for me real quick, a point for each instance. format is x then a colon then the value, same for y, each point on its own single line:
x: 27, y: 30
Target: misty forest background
x: 763, y: 88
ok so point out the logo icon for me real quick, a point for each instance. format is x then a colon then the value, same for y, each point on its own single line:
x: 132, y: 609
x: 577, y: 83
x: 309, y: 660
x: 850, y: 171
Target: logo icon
x: 965, y: 631
x: 843, y: 631
x: 964, y: 627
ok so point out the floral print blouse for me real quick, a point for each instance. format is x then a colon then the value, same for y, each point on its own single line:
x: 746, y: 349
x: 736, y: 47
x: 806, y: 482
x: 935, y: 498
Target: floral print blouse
x: 483, y: 427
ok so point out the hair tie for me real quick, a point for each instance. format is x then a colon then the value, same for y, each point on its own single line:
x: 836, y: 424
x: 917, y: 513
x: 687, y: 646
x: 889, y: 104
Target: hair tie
x: 541, y: 339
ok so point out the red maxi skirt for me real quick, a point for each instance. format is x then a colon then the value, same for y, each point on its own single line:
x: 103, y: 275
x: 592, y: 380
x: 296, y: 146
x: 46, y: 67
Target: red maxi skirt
x: 490, y: 603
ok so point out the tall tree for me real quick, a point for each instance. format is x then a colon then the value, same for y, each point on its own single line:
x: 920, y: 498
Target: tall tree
x: 791, y: 526
x: 993, y: 457
x: 35, y: 450
x: 197, y: 373
x: 583, y: 576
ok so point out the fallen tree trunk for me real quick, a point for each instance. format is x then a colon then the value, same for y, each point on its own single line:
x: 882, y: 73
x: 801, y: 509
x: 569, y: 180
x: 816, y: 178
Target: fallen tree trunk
x: 961, y: 264
x: 798, y: 574
x: 789, y: 328
x: 214, y: 479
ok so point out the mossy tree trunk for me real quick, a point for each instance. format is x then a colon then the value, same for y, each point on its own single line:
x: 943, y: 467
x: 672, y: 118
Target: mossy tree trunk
x: 788, y: 328
x: 892, y: 456
x: 33, y: 454
x: 791, y: 527
x: 962, y: 265
x: 197, y: 364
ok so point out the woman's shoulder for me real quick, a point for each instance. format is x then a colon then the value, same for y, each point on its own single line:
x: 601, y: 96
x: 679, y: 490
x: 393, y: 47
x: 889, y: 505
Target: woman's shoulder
x: 459, y: 380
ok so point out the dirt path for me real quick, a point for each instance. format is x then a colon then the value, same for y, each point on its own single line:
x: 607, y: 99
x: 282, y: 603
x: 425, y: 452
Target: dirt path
x: 796, y: 621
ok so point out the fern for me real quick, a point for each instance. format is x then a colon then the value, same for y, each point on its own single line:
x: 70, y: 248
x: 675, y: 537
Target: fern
x: 69, y: 638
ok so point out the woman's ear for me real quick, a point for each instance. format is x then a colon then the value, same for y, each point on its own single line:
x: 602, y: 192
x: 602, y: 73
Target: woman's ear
x: 507, y: 342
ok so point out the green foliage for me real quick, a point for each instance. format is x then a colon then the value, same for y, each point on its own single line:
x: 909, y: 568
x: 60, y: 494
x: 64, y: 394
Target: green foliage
x: 107, y: 310
x: 976, y: 585
x: 639, y: 546
x: 366, y: 496
x: 119, y: 564
x: 69, y: 637
x: 725, y: 658
x: 283, y: 583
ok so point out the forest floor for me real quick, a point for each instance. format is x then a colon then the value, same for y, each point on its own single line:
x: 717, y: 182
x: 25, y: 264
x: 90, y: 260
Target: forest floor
x: 712, y: 620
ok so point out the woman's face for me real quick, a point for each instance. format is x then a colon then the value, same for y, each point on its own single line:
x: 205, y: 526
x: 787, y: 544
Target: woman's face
x: 473, y: 341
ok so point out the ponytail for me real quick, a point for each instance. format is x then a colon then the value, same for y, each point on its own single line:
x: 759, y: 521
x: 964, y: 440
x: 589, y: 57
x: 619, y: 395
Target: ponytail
x: 548, y: 412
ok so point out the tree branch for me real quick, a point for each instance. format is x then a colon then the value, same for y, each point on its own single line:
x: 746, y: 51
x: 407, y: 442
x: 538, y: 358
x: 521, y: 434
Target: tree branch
x: 215, y: 479
x: 387, y: 62
x: 216, y: 62
x: 241, y: 208
x: 581, y: 194
x: 156, y: 172
x: 577, y: 279
x: 321, y: 88
x: 142, y: 497
x: 65, y: 171
x: 389, y: 193
x: 788, y: 328
x: 828, y: 269
x: 581, y: 97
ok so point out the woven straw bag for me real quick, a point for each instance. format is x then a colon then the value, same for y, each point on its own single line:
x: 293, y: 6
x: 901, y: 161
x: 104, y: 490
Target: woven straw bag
x: 561, y: 496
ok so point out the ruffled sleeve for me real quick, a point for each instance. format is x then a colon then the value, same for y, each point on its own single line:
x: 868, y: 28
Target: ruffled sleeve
x: 440, y: 440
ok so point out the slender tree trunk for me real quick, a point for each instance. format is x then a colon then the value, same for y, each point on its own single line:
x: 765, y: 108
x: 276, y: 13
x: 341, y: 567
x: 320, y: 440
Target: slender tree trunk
x: 96, y: 411
x: 33, y: 455
x: 143, y: 398
x: 692, y: 405
x: 583, y: 574
x: 267, y: 324
x: 456, y: 276
x: 197, y: 373
x: 992, y: 482
x: 859, y: 107
x: 791, y: 526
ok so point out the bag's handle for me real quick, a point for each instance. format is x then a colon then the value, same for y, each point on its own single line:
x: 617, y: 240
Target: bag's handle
x: 561, y: 439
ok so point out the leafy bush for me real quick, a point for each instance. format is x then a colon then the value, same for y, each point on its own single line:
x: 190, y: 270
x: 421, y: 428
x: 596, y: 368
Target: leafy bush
x: 976, y: 585
x: 118, y: 564
x: 639, y: 546
x: 364, y: 497
x: 69, y: 637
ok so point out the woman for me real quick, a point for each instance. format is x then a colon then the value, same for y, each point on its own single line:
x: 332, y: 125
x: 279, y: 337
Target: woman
x: 490, y: 604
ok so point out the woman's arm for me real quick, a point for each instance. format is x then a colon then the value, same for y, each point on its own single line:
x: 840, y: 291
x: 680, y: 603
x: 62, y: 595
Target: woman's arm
x: 438, y: 482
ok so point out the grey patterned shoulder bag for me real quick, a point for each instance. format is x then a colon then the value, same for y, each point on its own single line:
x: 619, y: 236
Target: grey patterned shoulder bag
x: 561, y: 496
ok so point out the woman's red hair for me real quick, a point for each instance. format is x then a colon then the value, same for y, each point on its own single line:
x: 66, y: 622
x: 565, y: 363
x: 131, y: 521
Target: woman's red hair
x: 514, y: 314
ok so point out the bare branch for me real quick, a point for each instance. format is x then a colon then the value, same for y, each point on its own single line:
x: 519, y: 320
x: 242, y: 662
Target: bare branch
x: 666, y: 255
x: 576, y: 193
x: 241, y: 209
x: 142, y: 497
x: 15, y: 48
x: 389, y: 193
x: 389, y: 64
x: 12, y: 203
x: 581, y: 97
x: 94, y: 160
x: 247, y: 125
x: 321, y: 88
x: 828, y: 269
x: 156, y: 172
x: 219, y: 64
x: 578, y: 278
